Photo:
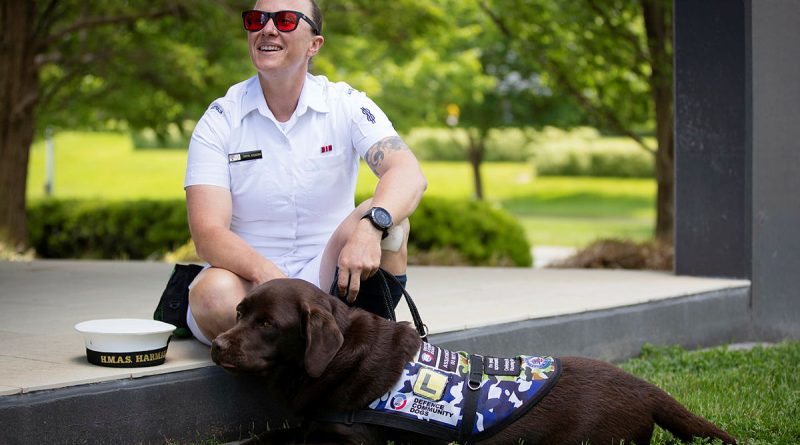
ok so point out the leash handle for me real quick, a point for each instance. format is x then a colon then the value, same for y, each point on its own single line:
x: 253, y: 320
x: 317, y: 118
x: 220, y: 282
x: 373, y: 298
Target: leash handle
x: 422, y: 328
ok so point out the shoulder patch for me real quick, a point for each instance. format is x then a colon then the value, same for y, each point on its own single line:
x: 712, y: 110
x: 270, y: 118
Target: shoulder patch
x: 216, y: 107
x: 370, y: 117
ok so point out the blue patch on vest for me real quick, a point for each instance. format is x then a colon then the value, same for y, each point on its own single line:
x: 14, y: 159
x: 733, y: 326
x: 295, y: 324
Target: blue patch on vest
x: 432, y: 389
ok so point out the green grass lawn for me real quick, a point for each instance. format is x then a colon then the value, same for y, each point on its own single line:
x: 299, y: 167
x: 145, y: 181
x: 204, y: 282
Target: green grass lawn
x: 563, y: 211
x: 754, y: 395
x: 105, y: 165
x: 559, y: 211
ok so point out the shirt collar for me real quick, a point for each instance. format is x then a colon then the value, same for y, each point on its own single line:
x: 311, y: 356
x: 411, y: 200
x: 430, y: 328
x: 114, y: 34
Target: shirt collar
x: 254, y: 98
x: 312, y: 96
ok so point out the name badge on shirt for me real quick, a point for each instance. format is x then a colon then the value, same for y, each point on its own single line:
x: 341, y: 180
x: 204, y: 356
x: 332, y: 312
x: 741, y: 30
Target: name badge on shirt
x: 244, y: 156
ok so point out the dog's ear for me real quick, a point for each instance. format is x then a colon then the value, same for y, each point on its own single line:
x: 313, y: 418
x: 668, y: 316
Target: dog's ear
x: 323, y: 340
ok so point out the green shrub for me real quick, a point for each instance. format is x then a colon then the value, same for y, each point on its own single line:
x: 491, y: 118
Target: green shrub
x: 583, y: 152
x: 480, y: 234
x: 616, y: 163
x: 173, y: 137
x: 554, y: 152
x: 472, y: 231
x: 444, y: 144
x: 101, y: 229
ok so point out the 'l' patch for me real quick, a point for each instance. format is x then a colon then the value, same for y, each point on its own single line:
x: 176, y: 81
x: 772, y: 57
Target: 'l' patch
x: 430, y: 384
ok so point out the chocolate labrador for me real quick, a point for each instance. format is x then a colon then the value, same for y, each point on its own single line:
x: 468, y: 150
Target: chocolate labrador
x: 324, y: 357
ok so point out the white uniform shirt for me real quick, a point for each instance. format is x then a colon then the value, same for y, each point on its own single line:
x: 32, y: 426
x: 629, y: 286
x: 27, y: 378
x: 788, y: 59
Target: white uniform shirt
x: 291, y: 183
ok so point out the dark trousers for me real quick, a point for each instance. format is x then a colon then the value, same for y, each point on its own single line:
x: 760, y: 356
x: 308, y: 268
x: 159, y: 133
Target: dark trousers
x: 372, y: 294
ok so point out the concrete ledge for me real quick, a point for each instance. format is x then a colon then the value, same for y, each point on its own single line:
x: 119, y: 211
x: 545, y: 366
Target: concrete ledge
x: 50, y: 394
x: 707, y: 319
x: 196, y: 404
x: 181, y: 406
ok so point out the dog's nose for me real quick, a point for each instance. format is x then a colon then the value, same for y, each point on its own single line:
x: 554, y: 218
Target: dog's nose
x: 218, y: 346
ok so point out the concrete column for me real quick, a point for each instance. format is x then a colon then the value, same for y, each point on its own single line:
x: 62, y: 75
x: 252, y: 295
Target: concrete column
x: 737, y: 123
x: 774, y: 142
x: 711, y: 224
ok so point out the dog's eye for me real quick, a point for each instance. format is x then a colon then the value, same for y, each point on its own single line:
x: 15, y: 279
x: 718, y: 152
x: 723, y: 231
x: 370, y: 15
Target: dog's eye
x: 266, y: 324
x: 238, y: 315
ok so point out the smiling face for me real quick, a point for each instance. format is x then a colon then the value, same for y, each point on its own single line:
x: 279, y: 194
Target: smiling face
x: 276, y: 53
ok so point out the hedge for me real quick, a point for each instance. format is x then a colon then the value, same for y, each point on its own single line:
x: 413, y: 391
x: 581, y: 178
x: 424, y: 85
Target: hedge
x: 148, y: 229
x: 616, y: 162
x: 106, y: 230
x: 553, y: 152
x: 441, y: 144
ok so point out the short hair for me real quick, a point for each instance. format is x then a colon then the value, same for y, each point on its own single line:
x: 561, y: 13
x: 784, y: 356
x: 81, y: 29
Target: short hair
x: 316, y: 14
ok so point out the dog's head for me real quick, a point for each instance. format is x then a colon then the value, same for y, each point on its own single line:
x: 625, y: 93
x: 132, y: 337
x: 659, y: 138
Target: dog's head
x: 284, y: 322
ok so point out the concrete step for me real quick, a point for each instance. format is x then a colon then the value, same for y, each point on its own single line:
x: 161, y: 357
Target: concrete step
x: 48, y: 392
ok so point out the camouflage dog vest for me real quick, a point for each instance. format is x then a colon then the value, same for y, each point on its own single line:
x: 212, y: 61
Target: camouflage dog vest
x: 458, y: 396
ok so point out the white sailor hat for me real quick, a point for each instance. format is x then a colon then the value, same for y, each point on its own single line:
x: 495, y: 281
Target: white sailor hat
x: 126, y: 342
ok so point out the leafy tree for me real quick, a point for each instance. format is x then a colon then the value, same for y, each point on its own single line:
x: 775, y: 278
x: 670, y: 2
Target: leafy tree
x: 425, y: 62
x: 613, y: 57
x: 434, y: 55
x: 70, y: 63
x: 149, y: 64
x: 395, y: 52
x: 514, y: 97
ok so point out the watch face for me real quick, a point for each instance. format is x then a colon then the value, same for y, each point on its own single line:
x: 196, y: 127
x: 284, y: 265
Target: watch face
x: 381, y: 217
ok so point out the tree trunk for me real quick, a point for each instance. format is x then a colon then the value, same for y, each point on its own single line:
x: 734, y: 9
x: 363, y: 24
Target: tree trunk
x: 665, y: 172
x: 18, y: 96
x: 475, y: 152
x: 658, y: 26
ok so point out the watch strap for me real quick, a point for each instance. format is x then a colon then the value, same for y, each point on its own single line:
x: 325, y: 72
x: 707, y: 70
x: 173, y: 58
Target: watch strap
x: 384, y: 231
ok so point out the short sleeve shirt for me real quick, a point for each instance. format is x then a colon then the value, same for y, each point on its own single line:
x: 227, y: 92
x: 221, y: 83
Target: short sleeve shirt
x: 291, y: 183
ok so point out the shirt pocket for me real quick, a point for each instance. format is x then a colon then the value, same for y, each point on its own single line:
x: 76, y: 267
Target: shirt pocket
x: 244, y: 174
x: 321, y: 163
x: 327, y: 184
x: 253, y: 190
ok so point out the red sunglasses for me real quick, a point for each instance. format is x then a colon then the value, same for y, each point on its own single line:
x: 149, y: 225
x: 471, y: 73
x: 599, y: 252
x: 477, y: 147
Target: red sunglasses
x: 285, y: 21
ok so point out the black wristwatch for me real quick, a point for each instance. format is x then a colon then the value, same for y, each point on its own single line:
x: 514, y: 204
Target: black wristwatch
x: 380, y: 219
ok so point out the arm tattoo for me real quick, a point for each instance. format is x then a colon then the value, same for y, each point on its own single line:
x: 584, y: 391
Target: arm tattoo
x: 377, y: 153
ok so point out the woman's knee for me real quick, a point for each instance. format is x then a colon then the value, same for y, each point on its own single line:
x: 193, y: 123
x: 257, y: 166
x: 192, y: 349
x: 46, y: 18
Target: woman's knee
x: 216, y: 292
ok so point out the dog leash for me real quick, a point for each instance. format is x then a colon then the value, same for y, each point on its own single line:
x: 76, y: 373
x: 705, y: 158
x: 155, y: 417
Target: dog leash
x: 384, y: 276
x: 422, y: 328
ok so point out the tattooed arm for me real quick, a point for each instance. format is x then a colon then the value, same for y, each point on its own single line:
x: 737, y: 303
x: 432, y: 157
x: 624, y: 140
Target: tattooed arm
x: 399, y: 190
x: 401, y: 181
